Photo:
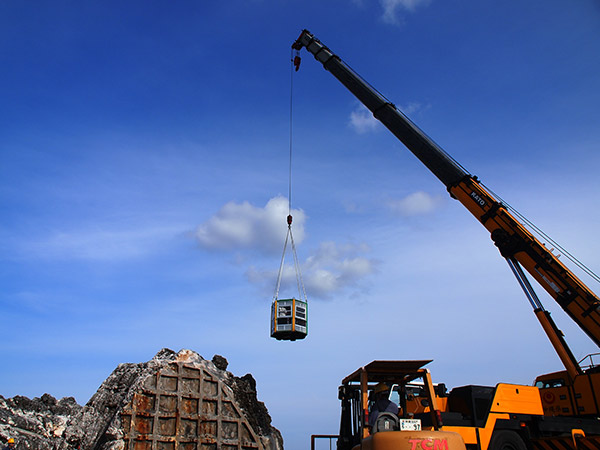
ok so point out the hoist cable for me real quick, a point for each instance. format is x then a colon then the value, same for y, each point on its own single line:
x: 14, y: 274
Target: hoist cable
x: 291, y: 122
x: 299, y: 282
x: 289, y: 236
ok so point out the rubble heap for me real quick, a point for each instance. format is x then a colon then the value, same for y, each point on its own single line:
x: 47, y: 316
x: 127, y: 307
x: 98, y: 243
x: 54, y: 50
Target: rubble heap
x: 174, y: 401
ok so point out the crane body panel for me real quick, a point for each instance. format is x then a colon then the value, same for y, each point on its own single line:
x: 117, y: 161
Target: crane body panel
x: 562, y: 410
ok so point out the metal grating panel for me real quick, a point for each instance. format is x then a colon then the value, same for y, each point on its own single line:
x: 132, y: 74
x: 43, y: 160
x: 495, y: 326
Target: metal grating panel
x: 183, y: 407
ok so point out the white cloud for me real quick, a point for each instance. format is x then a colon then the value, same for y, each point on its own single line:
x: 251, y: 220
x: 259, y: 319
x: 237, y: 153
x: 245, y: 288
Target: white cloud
x: 333, y: 268
x: 391, y: 7
x: 411, y: 108
x: 330, y: 270
x: 362, y: 120
x: 239, y: 226
x: 416, y: 204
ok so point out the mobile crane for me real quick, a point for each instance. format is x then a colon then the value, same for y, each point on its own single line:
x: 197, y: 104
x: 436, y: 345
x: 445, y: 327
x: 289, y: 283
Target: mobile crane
x: 563, y: 405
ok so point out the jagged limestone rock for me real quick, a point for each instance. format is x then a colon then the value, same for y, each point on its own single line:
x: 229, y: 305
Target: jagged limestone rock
x: 174, y: 401
x: 39, y: 423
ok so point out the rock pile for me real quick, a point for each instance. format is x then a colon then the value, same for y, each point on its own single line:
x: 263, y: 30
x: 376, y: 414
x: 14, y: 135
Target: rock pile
x: 174, y: 401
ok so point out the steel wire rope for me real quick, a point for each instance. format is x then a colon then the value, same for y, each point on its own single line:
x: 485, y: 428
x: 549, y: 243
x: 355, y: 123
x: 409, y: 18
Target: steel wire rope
x: 546, y: 237
x: 289, y: 235
x: 373, y: 88
x: 536, y: 229
x: 291, y: 139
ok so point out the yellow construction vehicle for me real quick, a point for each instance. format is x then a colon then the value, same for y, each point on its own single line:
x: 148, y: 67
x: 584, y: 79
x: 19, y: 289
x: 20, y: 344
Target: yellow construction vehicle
x: 362, y: 428
x: 504, y: 417
x: 562, y: 409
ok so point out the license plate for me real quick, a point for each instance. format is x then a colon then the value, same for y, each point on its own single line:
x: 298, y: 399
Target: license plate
x: 410, y: 424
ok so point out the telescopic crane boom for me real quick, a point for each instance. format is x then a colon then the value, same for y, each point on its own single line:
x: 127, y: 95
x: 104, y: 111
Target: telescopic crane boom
x: 515, y: 242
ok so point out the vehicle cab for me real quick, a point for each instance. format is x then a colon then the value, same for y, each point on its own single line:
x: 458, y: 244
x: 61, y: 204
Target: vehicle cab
x: 358, y: 429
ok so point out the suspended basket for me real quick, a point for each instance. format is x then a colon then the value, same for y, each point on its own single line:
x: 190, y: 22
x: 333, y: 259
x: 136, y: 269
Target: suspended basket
x: 289, y: 317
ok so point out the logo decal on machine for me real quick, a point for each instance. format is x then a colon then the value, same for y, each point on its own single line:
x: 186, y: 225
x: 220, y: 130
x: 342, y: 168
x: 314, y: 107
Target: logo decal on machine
x: 428, y: 444
x: 478, y: 199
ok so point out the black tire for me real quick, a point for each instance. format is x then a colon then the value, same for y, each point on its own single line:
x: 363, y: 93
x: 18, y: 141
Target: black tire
x: 506, y: 440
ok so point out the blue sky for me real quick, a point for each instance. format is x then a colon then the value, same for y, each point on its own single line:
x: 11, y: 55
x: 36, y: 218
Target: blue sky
x: 144, y: 181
